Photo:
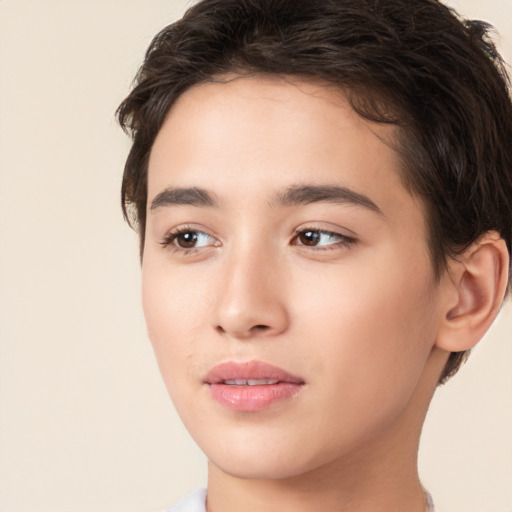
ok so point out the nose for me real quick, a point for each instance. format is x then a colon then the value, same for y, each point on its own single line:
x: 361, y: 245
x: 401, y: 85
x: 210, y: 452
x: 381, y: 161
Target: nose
x: 251, y: 299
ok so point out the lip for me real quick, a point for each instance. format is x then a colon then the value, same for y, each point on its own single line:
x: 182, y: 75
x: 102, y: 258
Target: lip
x: 251, y: 398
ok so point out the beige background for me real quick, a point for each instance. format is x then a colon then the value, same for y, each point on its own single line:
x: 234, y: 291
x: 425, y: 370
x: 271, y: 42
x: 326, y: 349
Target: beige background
x: 85, y: 423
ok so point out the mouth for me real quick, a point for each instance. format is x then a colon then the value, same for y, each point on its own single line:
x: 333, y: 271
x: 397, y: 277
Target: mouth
x: 251, y: 386
x: 250, y: 382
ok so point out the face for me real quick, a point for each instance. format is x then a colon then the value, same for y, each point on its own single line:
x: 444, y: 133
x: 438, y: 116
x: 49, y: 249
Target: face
x: 287, y: 286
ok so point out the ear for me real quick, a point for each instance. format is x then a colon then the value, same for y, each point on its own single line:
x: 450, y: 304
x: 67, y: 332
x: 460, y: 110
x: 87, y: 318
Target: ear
x: 475, y: 286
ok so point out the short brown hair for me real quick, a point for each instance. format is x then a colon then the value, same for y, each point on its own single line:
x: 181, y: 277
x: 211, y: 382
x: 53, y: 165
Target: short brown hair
x: 416, y: 65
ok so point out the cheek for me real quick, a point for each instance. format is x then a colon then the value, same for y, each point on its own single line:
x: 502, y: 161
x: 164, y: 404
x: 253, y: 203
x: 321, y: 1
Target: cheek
x: 366, y: 343
x: 175, y: 315
x: 376, y: 326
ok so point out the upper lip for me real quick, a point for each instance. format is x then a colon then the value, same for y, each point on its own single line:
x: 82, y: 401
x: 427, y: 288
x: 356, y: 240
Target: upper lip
x: 231, y: 370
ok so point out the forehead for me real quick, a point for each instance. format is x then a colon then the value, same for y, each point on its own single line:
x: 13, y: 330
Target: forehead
x: 251, y: 136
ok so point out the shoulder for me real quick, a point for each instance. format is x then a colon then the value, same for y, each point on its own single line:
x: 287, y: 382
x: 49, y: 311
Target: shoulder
x: 193, y: 502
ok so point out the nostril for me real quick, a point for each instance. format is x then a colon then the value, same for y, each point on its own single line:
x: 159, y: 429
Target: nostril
x: 261, y: 327
x: 254, y: 330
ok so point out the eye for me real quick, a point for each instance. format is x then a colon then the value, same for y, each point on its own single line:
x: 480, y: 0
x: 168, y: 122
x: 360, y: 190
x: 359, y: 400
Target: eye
x: 321, y: 238
x: 187, y: 238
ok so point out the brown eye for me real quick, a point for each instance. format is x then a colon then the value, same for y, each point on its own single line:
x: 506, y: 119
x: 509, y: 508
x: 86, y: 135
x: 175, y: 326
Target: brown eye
x: 186, y: 240
x: 309, y: 238
x: 321, y: 239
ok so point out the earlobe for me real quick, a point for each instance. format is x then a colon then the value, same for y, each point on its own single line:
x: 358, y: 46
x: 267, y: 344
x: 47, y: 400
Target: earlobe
x: 479, y: 279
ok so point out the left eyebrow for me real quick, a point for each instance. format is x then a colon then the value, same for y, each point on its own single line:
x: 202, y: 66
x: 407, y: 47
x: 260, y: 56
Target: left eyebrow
x: 192, y: 196
x: 307, y: 194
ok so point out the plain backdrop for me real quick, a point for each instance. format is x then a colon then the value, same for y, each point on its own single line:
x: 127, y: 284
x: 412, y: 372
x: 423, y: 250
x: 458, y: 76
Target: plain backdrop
x: 85, y: 422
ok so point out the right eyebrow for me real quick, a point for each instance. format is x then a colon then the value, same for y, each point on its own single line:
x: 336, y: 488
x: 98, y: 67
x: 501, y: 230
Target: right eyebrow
x: 192, y: 196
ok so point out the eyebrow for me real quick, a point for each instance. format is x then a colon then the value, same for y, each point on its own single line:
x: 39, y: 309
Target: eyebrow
x: 192, y: 196
x: 293, y: 196
x: 307, y: 194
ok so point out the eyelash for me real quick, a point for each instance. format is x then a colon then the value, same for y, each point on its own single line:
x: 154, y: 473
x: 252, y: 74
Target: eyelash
x: 170, y: 238
x: 344, y: 241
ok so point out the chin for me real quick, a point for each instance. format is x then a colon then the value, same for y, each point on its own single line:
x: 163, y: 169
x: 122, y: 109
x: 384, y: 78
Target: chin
x: 277, y: 461
x: 260, y: 469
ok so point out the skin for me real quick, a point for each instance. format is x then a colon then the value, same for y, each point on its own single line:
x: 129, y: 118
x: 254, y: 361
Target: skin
x: 356, y: 316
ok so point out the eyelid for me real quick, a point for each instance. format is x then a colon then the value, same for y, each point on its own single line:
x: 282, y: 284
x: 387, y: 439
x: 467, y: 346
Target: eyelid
x: 170, y: 236
x: 344, y: 240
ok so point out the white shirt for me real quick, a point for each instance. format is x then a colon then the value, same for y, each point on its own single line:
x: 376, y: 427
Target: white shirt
x: 196, y: 502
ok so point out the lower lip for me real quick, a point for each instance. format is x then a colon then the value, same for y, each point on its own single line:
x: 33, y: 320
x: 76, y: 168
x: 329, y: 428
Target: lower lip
x: 252, y: 398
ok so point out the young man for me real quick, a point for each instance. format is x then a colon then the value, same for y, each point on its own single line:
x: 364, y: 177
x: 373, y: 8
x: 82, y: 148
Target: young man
x: 323, y: 193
